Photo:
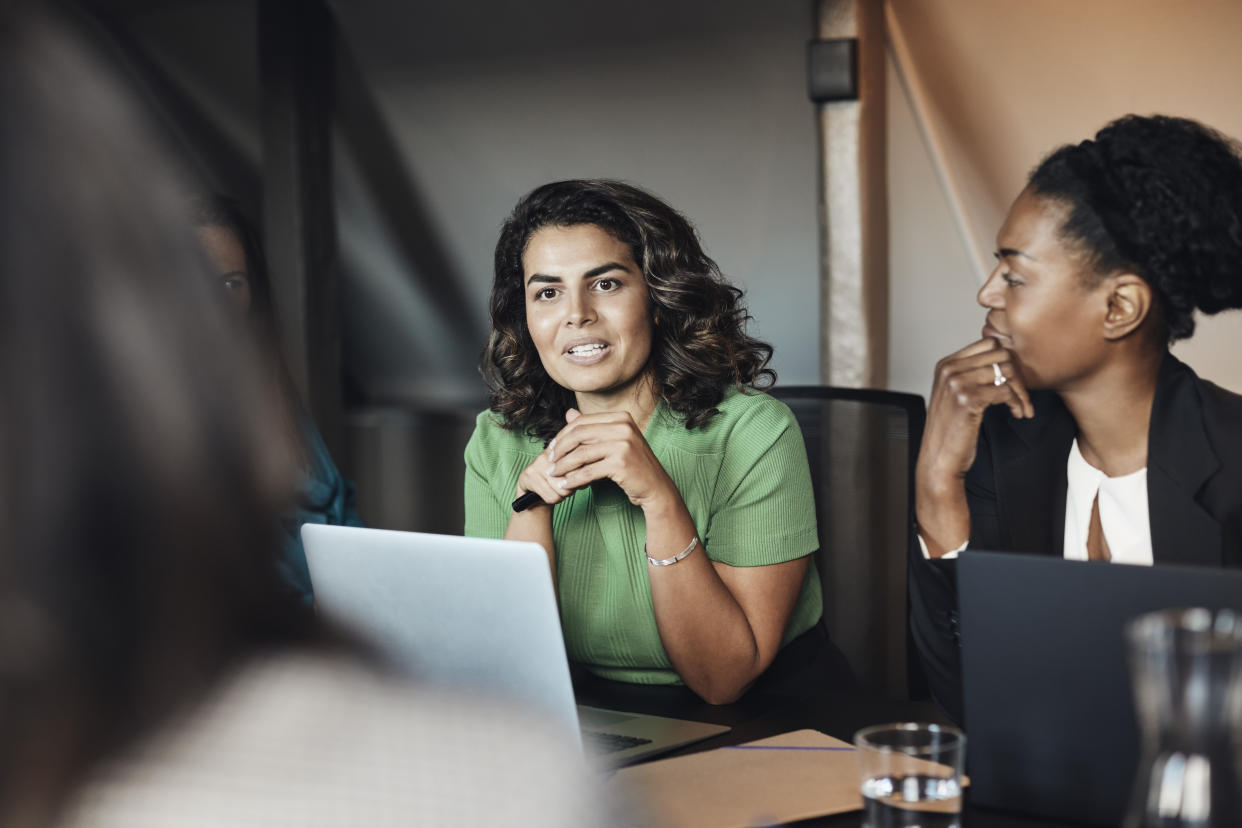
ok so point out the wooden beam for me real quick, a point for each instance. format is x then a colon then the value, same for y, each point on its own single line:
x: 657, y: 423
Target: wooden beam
x: 853, y: 205
x: 296, y: 65
x: 865, y: 587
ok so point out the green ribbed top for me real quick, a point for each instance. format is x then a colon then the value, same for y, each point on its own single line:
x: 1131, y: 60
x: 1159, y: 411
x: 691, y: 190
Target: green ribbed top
x: 744, y: 479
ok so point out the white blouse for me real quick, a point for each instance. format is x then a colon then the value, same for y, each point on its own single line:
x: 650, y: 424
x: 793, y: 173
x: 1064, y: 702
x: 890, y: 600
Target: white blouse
x: 1123, y: 513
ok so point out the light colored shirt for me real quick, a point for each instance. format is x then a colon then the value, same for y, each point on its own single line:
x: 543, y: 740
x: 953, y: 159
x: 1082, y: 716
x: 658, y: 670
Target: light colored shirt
x: 1123, y: 513
x: 307, y: 741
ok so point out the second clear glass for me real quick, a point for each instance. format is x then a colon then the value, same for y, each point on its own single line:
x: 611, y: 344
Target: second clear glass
x: 1186, y: 666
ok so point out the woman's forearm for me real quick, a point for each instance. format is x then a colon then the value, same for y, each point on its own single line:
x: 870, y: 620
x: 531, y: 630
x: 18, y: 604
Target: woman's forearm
x: 704, y: 629
x: 942, y: 512
x: 705, y: 632
x: 535, y: 525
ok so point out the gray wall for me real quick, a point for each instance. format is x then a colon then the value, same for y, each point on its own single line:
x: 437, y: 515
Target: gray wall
x: 932, y: 281
x: 704, y: 104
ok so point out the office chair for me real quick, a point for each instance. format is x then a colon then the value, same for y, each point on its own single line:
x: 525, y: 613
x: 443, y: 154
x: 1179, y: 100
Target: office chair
x: 862, y: 446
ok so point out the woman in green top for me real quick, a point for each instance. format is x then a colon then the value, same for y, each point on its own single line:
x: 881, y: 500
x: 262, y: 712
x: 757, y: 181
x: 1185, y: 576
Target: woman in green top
x: 674, y: 499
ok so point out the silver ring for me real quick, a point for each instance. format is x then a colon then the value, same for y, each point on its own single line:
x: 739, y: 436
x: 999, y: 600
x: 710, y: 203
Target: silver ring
x: 997, y: 377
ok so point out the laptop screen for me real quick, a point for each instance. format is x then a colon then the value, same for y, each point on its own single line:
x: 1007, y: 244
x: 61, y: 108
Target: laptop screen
x: 464, y: 613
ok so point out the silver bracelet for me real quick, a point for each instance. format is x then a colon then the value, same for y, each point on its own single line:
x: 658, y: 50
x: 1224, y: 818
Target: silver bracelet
x: 670, y: 561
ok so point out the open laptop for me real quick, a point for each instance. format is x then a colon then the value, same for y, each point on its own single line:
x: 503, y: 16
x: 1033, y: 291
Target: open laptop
x: 1051, y: 727
x: 477, y: 616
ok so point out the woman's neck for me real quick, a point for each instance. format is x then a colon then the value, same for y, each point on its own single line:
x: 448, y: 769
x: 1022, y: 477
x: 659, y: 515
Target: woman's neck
x: 1114, y: 414
x: 639, y: 399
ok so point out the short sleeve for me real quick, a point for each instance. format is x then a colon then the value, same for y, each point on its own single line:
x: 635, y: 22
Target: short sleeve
x: 486, y: 513
x: 764, y: 507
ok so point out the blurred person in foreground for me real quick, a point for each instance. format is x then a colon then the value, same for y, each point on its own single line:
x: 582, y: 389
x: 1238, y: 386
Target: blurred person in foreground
x: 153, y: 671
x: 1067, y: 428
x: 323, y: 494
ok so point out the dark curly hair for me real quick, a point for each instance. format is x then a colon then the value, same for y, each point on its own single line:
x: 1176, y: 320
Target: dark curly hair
x: 699, y: 341
x: 1161, y: 196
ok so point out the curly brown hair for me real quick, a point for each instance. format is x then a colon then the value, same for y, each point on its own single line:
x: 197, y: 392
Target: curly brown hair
x: 699, y: 340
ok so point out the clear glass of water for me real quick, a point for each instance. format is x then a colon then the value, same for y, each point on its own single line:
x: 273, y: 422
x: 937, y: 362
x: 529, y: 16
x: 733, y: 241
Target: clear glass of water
x: 1187, y: 671
x: 911, y: 775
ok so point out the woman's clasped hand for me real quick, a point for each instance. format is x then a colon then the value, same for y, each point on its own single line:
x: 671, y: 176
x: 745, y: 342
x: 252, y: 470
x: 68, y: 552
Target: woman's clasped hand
x: 603, y: 446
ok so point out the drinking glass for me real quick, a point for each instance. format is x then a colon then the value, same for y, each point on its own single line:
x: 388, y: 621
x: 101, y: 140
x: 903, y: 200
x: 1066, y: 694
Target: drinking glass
x: 911, y: 775
x: 1186, y: 666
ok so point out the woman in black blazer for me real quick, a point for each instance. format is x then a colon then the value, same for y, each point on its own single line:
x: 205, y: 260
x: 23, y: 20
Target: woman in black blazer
x: 1068, y: 429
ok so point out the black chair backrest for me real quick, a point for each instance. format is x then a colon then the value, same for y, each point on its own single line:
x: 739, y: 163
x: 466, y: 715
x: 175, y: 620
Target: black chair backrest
x: 862, y: 446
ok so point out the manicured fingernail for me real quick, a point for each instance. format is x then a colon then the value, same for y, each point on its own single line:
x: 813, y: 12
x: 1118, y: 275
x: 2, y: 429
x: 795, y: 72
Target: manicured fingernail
x: 559, y: 482
x: 552, y: 449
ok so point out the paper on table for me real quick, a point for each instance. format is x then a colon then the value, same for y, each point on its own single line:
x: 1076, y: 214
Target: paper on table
x: 784, y: 778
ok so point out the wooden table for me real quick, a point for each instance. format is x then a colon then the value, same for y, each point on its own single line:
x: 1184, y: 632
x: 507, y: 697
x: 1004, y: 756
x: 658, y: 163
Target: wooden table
x: 836, y: 714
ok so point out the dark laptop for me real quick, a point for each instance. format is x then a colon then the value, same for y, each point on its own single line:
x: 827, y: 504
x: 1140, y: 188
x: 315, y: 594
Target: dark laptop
x: 1050, y: 720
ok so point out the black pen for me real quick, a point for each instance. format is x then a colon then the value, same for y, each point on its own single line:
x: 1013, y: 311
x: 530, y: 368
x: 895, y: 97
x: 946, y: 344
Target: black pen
x: 525, y: 501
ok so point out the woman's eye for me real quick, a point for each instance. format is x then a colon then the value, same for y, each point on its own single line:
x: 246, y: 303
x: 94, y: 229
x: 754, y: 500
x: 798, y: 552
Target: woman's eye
x: 607, y: 284
x: 234, y: 284
x: 546, y: 294
x: 1011, y: 280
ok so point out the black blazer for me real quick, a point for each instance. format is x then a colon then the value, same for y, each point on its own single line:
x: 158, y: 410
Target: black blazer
x: 1017, y: 486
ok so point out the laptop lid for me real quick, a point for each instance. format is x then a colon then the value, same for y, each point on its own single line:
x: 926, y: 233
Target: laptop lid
x: 455, y: 612
x: 1048, y: 702
x: 476, y: 615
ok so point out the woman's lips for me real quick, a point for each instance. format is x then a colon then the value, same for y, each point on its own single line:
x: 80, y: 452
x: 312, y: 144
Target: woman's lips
x: 587, y: 353
x: 988, y: 330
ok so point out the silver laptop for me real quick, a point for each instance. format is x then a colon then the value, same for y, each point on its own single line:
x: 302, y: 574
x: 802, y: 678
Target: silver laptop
x: 476, y: 616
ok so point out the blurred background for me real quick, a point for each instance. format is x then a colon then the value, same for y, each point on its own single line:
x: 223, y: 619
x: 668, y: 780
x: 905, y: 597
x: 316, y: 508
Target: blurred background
x: 439, y: 117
